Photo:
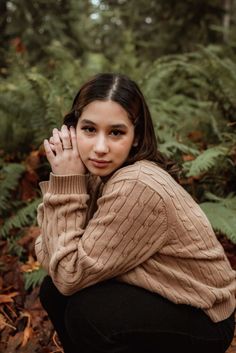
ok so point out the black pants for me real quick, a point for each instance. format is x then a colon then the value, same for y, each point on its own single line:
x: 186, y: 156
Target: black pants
x: 116, y: 317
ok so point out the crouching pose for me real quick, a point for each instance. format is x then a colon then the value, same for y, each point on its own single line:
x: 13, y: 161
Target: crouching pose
x: 133, y: 263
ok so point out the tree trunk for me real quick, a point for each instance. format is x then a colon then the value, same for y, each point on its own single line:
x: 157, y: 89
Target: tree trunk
x: 227, y: 18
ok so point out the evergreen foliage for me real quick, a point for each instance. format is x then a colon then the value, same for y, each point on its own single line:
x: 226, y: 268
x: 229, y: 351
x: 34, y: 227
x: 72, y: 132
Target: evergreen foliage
x: 15, y: 213
x: 34, y: 278
x: 222, y: 217
x: 206, y: 160
x: 24, y: 216
x: 9, y: 178
x: 192, y: 98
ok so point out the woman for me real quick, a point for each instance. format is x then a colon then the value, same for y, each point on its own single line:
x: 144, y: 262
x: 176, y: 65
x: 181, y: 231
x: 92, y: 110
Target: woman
x: 133, y: 263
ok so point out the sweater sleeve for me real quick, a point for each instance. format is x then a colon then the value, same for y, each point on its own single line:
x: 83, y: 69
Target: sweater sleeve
x: 128, y: 227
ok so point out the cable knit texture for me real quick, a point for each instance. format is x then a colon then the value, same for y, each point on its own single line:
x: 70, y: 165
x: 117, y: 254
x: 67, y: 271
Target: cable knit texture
x: 142, y: 228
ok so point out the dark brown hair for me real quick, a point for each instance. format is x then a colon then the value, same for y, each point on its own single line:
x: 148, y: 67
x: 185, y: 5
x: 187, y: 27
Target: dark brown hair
x: 121, y: 89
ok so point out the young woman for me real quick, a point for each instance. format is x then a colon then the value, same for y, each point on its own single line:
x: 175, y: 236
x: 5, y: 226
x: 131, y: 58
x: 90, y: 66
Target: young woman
x: 133, y: 263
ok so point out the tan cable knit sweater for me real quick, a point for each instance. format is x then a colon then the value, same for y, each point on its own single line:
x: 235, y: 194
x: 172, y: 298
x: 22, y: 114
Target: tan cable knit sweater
x: 142, y: 228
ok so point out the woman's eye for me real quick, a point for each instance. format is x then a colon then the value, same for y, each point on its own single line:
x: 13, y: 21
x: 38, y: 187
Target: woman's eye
x: 117, y: 133
x: 88, y: 129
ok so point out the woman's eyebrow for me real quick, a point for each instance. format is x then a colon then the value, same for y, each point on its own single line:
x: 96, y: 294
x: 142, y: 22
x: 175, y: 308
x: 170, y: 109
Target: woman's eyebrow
x: 86, y: 121
x: 116, y: 126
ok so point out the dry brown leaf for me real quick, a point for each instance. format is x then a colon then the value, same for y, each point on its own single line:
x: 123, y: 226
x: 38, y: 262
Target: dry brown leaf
x: 7, y: 298
x: 57, y: 344
x: 187, y: 157
x: 28, y: 332
x: 30, y: 265
x: 195, y: 136
x: 4, y: 323
x: 33, y: 160
x: 18, y: 45
x: 30, y: 234
x: 28, y: 185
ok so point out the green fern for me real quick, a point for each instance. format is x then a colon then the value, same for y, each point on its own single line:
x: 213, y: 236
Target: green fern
x: 171, y: 148
x: 205, y: 161
x: 34, y: 278
x: 222, y: 218
x: 25, y: 216
x: 10, y: 175
x: 14, y: 248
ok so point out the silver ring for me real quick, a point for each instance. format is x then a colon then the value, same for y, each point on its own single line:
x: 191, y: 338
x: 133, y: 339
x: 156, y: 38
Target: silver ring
x: 67, y: 148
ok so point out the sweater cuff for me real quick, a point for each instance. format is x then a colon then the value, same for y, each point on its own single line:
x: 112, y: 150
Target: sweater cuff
x: 68, y: 184
x: 44, y: 186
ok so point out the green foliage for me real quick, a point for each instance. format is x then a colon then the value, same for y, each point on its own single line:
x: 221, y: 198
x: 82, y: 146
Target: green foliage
x: 192, y: 99
x: 9, y: 178
x: 14, y: 212
x: 34, y: 278
x: 171, y: 148
x: 24, y: 216
x: 191, y: 95
x: 32, y: 103
x: 205, y: 161
x: 14, y: 248
x: 221, y: 213
x: 193, y: 107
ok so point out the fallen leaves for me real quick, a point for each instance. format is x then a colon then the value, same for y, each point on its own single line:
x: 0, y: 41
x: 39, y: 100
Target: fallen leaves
x: 24, y: 325
x: 28, y: 332
x: 7, y: 298
x: 30, y: 265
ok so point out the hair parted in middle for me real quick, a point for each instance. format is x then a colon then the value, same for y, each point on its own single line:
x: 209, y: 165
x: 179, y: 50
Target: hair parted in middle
x: 124, y: 91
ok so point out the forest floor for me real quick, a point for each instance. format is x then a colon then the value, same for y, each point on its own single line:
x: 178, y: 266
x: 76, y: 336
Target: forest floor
x: 24, y: 325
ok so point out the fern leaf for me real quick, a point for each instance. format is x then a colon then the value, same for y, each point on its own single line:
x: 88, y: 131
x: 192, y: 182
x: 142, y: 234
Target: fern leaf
x: 171, y: 147
x: 228, y: 202
x: 221, y: 218
x: 10, y: 175
x: 205, y: 161
x: 24, y: 217
x: 34, y: 278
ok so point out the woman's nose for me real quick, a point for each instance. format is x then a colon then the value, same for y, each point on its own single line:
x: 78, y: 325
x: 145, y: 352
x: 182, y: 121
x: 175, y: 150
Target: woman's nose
x: 101, y: 145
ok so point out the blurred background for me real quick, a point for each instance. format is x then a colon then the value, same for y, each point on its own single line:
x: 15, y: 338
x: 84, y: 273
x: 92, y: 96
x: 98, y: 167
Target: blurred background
x: 183, y: 56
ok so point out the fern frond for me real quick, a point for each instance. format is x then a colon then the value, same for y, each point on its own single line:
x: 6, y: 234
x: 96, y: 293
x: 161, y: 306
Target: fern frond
x: 221, y: 218
x: 224, y: 71
x: 34, y: 278
x: 14, y: 248
x: 170, y: 149
x: 228, y: 202
x: 9, y: 177
x: 205, y: 161
x: 24, y: 217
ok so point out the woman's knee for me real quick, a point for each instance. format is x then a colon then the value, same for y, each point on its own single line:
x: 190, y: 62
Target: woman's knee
x: 83, y: 327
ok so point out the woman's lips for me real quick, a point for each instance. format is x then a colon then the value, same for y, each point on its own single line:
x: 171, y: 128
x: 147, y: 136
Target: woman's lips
x: 99, y: 163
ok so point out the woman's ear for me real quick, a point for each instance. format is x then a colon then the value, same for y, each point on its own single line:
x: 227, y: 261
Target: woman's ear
x: 135, y: 143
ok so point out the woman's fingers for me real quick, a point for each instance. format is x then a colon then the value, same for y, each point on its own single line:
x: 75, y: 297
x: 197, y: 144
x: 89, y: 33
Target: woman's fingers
x: 73, y: 139
x: 51, y: 140
x: 62, y: 152
x: 65, y: 137
x: 62, y: 140
x: 57, y: 141
x: 49, y: 152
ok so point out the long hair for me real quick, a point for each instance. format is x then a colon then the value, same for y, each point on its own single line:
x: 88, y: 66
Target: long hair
x: 122, y: 90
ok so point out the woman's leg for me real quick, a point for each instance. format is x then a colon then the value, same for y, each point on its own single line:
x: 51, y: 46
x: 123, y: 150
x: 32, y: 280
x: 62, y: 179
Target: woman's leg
x: 119, y: 318
x: 55, y: 304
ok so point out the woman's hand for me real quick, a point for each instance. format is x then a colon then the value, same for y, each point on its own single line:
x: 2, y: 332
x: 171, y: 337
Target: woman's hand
x: 62, y: 152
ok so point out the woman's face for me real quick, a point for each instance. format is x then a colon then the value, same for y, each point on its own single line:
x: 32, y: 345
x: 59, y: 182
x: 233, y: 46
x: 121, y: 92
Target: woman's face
x: 105, y: 135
